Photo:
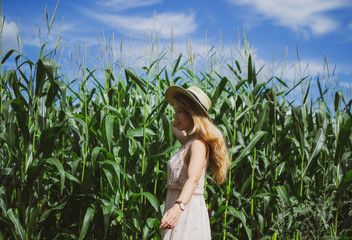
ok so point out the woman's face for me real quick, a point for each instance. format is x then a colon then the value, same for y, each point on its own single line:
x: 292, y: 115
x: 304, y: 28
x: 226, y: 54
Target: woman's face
x: 183, y: 120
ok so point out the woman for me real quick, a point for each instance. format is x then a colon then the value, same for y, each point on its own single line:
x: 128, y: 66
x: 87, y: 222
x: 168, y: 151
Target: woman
x: 186, y: 216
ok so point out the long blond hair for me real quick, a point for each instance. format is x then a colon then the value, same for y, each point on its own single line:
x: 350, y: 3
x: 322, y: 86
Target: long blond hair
x: 203, y: 128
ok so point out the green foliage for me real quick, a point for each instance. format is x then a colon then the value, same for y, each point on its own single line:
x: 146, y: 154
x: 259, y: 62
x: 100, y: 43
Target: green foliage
x: 91, y: 164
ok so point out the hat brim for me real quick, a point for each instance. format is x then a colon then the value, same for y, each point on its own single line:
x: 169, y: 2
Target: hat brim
x: 174, y: 90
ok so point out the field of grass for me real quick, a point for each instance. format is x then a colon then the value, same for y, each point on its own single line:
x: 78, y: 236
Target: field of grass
x: 83, y: 156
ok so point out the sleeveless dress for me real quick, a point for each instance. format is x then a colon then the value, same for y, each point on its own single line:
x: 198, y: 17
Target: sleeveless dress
x: 193, y: 223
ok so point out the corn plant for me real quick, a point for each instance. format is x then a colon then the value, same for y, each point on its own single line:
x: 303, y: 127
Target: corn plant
x: 85, y: 157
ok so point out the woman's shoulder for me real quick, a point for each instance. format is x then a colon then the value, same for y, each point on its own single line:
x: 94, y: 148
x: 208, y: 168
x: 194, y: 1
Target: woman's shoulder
x: 198, y: 144
x: 198, y: 147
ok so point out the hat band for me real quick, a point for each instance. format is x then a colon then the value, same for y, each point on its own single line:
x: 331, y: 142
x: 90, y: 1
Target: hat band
x: 195, y: 96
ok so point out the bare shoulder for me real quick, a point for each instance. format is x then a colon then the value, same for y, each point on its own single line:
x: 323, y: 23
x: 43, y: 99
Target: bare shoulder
x: 197, y: 154
x: 199, y: 145
x: 197, y: 150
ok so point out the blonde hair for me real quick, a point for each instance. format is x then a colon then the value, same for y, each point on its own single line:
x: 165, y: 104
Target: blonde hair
x: 204, y: 129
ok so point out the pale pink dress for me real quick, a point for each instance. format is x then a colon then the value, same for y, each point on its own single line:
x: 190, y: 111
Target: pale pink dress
x: 193, y: 223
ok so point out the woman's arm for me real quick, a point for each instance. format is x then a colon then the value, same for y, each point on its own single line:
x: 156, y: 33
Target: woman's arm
x: 180, y: 135
x: 198, y: 152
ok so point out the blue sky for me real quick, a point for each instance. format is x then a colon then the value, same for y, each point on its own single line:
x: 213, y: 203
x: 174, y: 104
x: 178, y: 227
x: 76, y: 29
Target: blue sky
x: 273, y: 28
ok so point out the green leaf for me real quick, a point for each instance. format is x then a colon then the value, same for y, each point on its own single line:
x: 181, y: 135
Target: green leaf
x: 306, y: 95
x: 60, y: 168
x: 332, y: 238
x: 111, y: 169
x: 94, y: 156
x: 298, y: 128
x: 262, y: 118
x: 3, y: 206
x: 40, y: 78
x: 238, y: 66
x: 130, y: 75
x: 151, y: 222
x: 71, y: 178
x: 226, y: 123
x: 240, y: 215
x: 47, y: 139
x: 234, y: 71
x: 175, y: 69
x: 52, y: 93
x: 34, y: 172
x: 319, y: 142
x: 343, y: 139
x: 250, y: 70
x: 281, y: 191
x: 244, y: 113
x: 247, y: 150
x: 21, y: 115
x: 348, y: 177
x: 297, y: 84
x: 16, y: 222
x: 49, y: 67
x: 110, y: 178
x: 320, y: 90
x: 9, y: 136
x: 85, y: 128
x: 219, y: 89
x: 56, y: 208
x: 261, y: 195
x: 132, y: 133
x: 257, y: 88
x: 282, y: 82
x: 34, y: 213
x: 151, y: 198
x: 167, y: 151
x: 8, y: 54
x: 62, y: 88
x: 87, y: 219
x: 338, y: 95
x: 261, y: 221
x: 109, y: 127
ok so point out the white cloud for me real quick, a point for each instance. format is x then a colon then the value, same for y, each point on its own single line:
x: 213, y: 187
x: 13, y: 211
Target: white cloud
x: 9, y: 36
x: 347, y: 85
x: 72, y: 32
x: 123, y: 4
x: 180, y: 23
x: 307, y: 16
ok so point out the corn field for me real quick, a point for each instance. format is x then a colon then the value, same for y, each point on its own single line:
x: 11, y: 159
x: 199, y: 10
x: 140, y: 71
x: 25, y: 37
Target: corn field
x: 85, y: 157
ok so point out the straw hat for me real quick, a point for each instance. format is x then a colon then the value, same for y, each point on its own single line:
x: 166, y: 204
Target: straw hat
x: 194, y: 93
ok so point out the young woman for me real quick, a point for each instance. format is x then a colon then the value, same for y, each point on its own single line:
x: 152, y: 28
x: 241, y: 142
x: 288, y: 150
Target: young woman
x: 186, y: 216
